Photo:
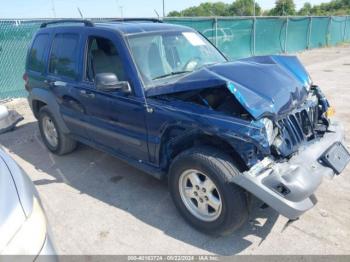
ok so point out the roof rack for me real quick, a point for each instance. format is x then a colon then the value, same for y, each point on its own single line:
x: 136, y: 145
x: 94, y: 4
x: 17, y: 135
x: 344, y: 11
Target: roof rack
x: 82, y: 21
x: 152, y: 20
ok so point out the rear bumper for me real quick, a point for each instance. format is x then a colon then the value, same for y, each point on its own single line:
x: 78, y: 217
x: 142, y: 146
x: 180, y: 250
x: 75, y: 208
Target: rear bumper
x: 288, y: 187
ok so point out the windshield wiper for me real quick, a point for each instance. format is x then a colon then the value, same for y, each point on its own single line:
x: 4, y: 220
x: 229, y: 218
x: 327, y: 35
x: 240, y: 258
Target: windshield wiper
x: 171, y: 74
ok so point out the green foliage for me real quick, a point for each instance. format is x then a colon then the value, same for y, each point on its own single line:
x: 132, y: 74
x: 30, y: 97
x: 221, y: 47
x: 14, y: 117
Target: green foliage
x: 204, y: 9
x: 283, y: 7
x: 245, y: 8
x: 335, y: 7
x: 305, y: 10
x: 174, y: 13
x: 237, y: 8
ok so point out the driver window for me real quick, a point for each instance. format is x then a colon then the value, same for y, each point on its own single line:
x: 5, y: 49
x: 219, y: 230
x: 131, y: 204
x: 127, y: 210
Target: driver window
x: 102, y: 57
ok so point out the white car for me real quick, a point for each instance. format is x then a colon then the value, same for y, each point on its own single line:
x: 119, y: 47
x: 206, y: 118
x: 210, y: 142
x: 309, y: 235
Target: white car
x: 223, y: 35
x: 23, y: 224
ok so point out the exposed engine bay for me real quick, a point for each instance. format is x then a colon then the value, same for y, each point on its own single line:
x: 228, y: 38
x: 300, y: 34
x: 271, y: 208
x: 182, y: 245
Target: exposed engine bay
x: 286, y: 134
x: 218, y: 99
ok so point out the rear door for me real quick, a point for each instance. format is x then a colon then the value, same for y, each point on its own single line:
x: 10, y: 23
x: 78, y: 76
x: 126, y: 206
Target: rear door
x: 116, y: 121
x: 65, y: 63
x: 36, y: 61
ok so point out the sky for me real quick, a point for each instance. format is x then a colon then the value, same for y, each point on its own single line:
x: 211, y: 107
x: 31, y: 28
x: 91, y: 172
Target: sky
x: 106, y: 8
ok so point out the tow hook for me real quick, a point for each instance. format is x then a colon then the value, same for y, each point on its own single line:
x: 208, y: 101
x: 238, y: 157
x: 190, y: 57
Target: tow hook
x: 289, y: 222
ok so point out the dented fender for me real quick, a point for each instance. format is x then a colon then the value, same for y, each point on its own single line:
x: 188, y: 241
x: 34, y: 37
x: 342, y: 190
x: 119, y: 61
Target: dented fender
x: 179, y: 121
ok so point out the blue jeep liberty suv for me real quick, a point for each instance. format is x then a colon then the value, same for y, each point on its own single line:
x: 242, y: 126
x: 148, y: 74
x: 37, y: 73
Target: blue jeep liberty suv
x: 164, y: 99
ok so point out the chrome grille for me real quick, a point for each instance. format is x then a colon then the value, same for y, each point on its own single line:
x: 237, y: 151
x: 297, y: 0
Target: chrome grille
x: 299, y: 126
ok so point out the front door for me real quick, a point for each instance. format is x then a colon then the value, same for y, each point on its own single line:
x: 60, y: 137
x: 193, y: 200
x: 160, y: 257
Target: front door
x: 116, y: 121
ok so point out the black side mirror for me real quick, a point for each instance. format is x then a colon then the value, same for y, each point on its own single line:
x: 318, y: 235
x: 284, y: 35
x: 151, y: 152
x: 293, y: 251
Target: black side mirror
x: 109, y: 82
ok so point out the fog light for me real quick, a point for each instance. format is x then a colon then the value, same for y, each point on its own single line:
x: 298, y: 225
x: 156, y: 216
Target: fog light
x: 282, y: 189
x: 330, y: 112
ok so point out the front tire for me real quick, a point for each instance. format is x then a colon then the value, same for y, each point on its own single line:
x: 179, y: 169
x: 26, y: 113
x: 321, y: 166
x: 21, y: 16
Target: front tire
x: 199, y: 183
x: 51, y: 133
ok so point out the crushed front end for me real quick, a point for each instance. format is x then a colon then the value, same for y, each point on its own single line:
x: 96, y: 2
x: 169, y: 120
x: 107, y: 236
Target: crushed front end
x: 306, y: 145
x: 304, y: 124
x: 286, y: 137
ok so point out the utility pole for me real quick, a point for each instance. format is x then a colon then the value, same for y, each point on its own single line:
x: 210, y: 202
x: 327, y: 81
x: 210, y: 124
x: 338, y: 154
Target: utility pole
x: 121, y: 11
x: 254, y: 28
x: 163, y: 8
x: 53, y: 8
x: 254, y: 8
x: 117, y: 3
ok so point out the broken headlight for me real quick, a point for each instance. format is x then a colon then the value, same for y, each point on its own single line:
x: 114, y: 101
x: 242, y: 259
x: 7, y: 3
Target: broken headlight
x: 270, y: 130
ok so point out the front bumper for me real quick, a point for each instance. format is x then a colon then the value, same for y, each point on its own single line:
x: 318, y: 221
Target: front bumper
x: 48, y: 251
x: 288, y: 187
x: 48, y: 248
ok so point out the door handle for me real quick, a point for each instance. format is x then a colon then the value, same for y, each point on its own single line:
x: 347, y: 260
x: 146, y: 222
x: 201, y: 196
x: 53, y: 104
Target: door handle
x: 55, y: 83
x: 87, y: 94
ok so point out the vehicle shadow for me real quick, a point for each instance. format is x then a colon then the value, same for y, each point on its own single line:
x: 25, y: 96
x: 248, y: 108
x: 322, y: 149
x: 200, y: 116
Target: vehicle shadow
x: 115, y: 183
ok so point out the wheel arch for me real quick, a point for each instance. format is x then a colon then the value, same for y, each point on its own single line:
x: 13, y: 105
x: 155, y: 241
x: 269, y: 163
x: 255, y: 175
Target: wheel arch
x: 39, y: 98
x: 36, y: 106
x: 172, y: 145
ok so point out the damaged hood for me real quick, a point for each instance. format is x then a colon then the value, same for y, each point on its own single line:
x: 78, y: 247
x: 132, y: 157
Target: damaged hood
x: 264, y: 85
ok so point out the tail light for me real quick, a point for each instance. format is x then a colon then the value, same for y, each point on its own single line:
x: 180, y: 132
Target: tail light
x: 26, y: 81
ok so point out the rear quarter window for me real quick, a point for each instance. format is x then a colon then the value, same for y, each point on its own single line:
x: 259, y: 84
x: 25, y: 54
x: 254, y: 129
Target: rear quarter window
x: 36, y: 60
x: 63, y: 57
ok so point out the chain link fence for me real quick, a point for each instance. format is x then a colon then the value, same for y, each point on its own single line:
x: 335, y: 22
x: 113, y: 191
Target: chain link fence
x: 15, y: 37
x: 237, y: 37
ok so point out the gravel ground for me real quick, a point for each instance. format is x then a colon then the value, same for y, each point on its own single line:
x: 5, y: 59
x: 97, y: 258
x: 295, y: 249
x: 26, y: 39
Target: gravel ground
x: 97, y: 204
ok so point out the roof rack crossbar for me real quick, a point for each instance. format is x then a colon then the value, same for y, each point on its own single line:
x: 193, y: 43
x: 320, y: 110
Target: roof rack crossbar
x: 83, y: 21
x: 154, y: 20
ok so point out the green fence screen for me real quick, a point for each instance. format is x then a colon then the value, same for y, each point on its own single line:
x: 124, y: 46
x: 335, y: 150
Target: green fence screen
x: 14, y: 40
x: 242, y: 37
x: 297, y: 34
x: 236, y: 37
x: 336, y: 30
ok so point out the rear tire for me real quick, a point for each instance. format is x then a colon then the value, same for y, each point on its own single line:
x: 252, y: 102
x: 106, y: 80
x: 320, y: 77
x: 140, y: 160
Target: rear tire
x: 51, y: 133
x: 230, y: 201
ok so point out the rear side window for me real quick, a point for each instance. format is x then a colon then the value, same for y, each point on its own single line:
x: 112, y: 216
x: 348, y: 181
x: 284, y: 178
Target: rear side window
x: 36, y: 60
x: 63, y: 58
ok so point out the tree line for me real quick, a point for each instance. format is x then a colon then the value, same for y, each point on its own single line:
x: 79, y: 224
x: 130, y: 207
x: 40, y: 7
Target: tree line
x: 249, y: 8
